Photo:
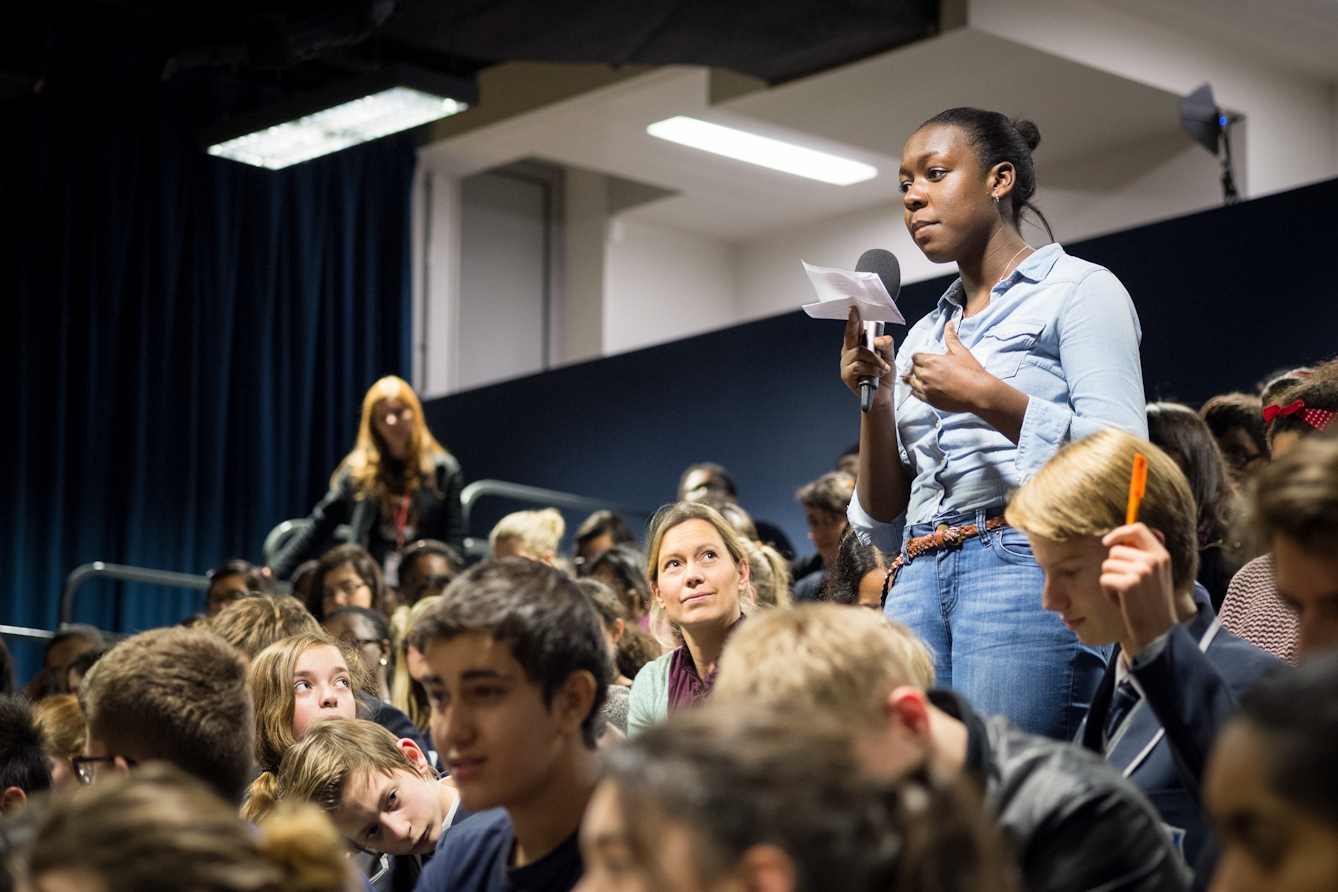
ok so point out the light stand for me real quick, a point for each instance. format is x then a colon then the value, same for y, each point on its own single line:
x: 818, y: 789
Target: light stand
x: 1210, y: 127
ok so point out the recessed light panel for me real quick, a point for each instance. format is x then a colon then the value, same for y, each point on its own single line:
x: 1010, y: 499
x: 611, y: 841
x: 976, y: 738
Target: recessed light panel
x: 762, y: 150
x: 338, y: 127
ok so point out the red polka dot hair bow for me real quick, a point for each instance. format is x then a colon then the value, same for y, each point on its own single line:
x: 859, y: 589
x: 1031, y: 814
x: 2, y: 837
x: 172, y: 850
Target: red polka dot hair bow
x: 1316, y: 418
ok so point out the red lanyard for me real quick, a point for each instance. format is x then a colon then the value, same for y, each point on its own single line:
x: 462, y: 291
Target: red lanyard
x: 401, y: 520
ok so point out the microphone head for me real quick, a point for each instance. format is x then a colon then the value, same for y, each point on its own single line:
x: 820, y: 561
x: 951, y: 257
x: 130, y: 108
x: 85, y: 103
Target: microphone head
x: 884, y: 263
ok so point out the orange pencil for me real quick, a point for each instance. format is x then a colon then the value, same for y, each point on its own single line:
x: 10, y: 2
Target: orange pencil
x: 1138, y: 484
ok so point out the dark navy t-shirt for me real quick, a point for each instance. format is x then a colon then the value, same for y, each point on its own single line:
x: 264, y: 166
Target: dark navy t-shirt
x: 472, y: 857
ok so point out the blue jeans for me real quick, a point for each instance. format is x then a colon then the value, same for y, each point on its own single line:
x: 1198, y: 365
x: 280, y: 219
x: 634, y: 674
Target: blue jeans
x: 978, y: 607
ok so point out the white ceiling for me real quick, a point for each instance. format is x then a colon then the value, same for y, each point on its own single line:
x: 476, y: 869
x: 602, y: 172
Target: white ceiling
x: 864, y: 111
x: 1298, y: 34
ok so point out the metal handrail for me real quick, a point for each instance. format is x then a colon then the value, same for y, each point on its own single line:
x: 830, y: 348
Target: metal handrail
x: 98, y: 569
x: 536, y: 495
x: 25, y: 632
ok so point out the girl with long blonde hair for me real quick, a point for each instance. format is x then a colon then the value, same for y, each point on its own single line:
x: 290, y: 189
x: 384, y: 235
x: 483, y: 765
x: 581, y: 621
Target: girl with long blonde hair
x: 295, y: 683
x: 396, y: 486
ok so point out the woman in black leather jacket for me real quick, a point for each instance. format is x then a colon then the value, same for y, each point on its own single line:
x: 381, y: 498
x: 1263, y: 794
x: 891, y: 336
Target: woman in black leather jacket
x: 398, y: 485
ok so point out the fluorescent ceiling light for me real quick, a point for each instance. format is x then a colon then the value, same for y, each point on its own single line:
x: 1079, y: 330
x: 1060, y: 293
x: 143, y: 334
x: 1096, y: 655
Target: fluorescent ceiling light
x: 763, y: 151
x: 370, y: 117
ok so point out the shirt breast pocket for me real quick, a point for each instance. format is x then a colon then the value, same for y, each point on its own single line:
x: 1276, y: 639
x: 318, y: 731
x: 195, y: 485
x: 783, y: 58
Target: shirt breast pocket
x: 1006, y: 345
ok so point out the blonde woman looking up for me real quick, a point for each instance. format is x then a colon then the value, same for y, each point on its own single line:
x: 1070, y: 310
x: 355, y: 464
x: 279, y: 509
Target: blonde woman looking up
x: 699, y: 583
x: 398, y: 484
x: 528, y: 534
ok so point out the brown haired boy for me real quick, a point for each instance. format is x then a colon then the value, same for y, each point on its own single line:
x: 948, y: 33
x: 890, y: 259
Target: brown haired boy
x: 176, y: 695
x: 517, y: 672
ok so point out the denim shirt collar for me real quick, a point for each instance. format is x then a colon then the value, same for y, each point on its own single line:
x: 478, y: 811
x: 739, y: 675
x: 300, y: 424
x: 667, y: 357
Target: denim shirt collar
x: 1034, y: 268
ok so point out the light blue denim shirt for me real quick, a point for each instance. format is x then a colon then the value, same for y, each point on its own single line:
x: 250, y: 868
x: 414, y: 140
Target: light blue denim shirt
x: 1059, y: 329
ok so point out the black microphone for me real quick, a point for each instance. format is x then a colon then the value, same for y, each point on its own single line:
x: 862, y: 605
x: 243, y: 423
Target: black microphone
x: 885, y: 264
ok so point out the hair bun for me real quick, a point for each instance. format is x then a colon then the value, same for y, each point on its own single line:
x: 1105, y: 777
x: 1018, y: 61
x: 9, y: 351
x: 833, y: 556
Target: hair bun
x: 1029, y: 132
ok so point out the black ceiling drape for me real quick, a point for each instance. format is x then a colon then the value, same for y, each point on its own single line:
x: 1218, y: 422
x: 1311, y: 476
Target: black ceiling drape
x: 187, y: 339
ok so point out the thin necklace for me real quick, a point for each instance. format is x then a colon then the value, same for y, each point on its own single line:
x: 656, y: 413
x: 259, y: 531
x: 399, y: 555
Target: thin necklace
x: 1007, y: 270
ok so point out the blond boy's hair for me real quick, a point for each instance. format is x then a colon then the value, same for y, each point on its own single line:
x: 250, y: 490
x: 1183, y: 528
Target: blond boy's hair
x: 826, y: 659
x: 540, y: 531
x: 1084, y: 491
x: 322, y: 766
x: 253, y: 623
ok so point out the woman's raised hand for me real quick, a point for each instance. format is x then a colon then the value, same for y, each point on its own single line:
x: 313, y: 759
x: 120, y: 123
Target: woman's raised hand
x: 858, y: 361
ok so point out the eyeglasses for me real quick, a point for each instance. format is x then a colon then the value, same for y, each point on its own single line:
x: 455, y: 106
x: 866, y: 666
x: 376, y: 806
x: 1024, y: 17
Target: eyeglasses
x: 345, y: 588
x: 83, y: 766
x: 363, y: 642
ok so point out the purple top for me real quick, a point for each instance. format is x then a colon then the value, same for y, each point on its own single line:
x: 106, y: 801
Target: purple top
x: 686, y: 687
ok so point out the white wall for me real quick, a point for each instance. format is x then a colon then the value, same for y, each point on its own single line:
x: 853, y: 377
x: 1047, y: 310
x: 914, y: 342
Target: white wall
x: 586, y: 206
x: 661, y: 284
x: 1291, y: 128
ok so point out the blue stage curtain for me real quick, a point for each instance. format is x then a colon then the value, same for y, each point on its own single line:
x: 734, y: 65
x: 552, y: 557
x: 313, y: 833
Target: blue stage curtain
x: 187, y: 340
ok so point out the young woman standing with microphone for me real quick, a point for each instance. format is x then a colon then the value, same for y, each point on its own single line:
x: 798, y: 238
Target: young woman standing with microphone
x: 1028, y: 349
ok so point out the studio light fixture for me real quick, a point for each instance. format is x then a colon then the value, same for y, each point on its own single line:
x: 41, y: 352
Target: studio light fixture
x: 338, y: 117
x: 762, y: 150
x: 1210, y: 127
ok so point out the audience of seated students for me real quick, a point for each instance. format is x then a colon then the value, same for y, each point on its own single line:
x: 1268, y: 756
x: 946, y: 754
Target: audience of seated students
x: 346, y: 576
x: 233, y: 580
x: 742, y: 799
x: 1237, y: 423
x: 517, y: 674
x: 858, y: 576
x: 699, y: 585
x: 426, y: 568
x: 406, y: 688
x: 1072, y: 820
x: 825, y: 501
x: 1177, y: 676
x: 24, y: 769
x: 597, y: 534
x: 710, y: 482
x: 64, y: 733
x: 623, y: 569
x: 397, y: 485
x: 381, y: 792
x: 1187, y: 439
x: 614, y: 627
x: 159, y: 829
x: 59, y: 651
x: 1272, y: 787
x: 535, y: 535
x: 1253, y: 608
x: 176, y: 695
x: 368, y: 632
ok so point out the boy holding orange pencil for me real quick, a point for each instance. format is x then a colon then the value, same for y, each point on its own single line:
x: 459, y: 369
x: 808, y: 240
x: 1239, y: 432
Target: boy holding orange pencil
x: 1112, y: 522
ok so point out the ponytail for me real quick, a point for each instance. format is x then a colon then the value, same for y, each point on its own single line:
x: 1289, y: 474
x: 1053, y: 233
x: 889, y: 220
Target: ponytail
x: 300, y: 841
x: 261, y: 797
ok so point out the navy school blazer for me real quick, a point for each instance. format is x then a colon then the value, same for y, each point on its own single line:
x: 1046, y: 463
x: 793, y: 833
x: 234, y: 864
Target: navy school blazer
x: 1191, y: 682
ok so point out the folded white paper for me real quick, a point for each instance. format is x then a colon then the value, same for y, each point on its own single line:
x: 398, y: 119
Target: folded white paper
x: 839, y: 290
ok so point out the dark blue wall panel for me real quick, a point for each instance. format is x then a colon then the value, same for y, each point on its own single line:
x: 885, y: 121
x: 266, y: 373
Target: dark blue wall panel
x: 1225, y: 296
